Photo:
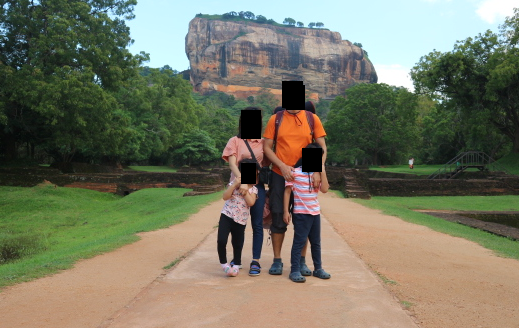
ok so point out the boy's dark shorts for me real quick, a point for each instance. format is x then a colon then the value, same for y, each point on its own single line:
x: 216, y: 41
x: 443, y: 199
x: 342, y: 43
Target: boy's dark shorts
x: 277, y: 192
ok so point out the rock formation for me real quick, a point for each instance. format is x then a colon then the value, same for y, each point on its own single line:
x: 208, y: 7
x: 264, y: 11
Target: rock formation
x: 240, y: 58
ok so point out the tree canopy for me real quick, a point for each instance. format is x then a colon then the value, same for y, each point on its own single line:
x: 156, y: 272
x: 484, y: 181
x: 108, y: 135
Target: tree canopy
x: 479, y: 77
x: 373, y: 123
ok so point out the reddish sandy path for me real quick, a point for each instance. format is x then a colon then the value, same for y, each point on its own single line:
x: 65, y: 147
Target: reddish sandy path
x: 451, y: 282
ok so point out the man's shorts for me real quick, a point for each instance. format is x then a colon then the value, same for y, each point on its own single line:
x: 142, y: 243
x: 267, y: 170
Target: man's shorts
x: 277, y: 192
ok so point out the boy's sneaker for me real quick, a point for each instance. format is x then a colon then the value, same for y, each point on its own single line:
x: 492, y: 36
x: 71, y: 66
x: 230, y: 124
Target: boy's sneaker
x: 255, y: 268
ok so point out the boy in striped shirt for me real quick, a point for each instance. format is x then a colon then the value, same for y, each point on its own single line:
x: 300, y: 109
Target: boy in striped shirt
x: 305, y: 216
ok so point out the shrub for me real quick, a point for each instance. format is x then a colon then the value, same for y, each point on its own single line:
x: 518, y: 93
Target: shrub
x: 15, y: 246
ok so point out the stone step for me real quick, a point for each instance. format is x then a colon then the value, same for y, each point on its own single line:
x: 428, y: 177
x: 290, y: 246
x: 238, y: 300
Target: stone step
x: 358, y: 194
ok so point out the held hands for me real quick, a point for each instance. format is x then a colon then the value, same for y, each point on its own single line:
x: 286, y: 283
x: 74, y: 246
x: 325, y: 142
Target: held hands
x: 286, y: 171
x: 316, y: 179
x: 237, y: 182
x: 244, y: 189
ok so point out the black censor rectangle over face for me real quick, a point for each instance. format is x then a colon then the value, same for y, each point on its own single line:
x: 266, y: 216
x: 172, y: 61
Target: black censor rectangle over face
x: 250, y: 124
x: 293, y: 95
x: 248, y: 173
x: 312, y: 160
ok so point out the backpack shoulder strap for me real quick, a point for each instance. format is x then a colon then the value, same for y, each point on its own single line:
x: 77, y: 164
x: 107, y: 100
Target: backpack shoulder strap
x: 279, y: 119
x: 311, y: 122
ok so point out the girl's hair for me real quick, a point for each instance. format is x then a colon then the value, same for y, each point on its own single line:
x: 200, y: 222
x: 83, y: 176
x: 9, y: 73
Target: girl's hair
x: 311, y: 145
x: 239, y: 123
x: 245, y: 160
x: 309, y: 106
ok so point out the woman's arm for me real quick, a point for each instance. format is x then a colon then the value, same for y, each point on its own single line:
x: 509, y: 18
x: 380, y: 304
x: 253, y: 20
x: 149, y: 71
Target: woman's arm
x: 227, y: 194
x: 233, y: 164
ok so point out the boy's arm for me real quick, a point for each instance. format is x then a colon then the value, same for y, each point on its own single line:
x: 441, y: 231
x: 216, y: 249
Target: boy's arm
x: 286, y: 203
x: 324, y: 181
x: 250, y: 198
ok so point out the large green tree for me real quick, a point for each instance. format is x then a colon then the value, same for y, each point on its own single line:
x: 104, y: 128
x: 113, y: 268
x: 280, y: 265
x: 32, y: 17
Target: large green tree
x: 60, y: 63
x: 160, y: 110
x: 372, y: 124
x: 480, y: 77
x: 195, y: 148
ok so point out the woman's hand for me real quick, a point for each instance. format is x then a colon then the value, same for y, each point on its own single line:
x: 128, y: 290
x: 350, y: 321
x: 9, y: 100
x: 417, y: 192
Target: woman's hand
x: 286, y: 172
x: 237, y: 182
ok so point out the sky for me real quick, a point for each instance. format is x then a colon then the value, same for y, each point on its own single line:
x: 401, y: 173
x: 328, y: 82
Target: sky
x: 396, y: 34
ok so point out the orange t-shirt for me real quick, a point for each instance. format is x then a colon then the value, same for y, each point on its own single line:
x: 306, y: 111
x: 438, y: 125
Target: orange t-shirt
x: 293, y: 136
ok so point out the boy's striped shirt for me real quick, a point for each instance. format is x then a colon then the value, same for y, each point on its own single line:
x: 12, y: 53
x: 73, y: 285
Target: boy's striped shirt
x: 305, y: 195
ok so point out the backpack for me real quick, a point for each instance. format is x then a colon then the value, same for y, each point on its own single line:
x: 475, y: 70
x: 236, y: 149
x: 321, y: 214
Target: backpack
x: 279, y: 119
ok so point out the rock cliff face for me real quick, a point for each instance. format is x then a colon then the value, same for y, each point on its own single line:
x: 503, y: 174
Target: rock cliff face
x: 240, y: 58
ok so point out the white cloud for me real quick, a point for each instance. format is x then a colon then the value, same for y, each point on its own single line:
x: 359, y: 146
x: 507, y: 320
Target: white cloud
x: 396, y: 75
x: 492, y: 10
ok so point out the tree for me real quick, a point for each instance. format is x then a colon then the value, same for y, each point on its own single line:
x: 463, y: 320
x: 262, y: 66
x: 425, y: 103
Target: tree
x: 60, y: 62
x: 249, y: 15
x: 220, y: 126
x: 311, y: 25
x: 261, y: 19
x: 373, y: 124
x: 480, y: 77
x: 160, y: 108
x: 289, y: 21
x: 195, y: 148
x: 300, y: 24
x: 358, y: 44
x: 319, y: 24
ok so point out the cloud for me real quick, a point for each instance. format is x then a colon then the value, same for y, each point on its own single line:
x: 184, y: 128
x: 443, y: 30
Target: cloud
x: 492, y: 10
x: 396, y: 75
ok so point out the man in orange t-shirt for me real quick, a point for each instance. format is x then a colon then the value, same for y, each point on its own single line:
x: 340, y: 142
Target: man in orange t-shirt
x: 294, y: 134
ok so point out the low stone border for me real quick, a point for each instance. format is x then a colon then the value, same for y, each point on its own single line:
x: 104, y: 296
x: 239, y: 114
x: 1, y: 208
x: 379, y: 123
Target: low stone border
x: 495, y: 228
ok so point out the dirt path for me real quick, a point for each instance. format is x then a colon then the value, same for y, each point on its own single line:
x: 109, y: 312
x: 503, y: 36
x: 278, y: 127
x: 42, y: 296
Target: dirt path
x: 451, y: 282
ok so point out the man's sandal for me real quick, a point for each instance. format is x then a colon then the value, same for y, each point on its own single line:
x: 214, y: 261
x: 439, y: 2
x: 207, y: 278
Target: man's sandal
x: 276, y: 268
x: 320, y: 273
x: 297, y: 277
x: 255, y: 268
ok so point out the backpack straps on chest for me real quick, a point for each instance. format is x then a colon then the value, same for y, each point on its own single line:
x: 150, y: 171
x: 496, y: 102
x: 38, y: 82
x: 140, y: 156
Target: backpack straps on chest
x: 279, y: 119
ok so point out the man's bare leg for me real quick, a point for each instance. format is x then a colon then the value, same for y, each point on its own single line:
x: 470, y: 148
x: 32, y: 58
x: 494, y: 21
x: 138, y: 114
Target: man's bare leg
x: 277, y: 243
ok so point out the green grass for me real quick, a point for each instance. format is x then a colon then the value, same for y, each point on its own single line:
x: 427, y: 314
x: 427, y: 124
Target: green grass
x: 72, y: 224
x: 418, y: 169
x: 153, y: 168
x: 402, y: 207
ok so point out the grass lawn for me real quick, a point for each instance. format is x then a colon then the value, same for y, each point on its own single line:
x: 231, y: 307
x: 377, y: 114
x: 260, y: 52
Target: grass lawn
x: 51, y: 228
x: 510, y: 162
x: 418, y: 169
x: 152, y: 168
x: 402, y: 207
